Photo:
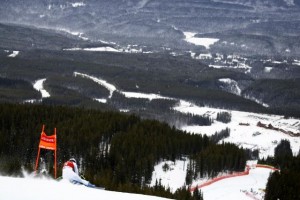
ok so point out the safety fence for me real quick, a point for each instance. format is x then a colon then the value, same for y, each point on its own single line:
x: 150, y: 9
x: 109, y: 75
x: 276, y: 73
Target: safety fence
x: 235, y: 174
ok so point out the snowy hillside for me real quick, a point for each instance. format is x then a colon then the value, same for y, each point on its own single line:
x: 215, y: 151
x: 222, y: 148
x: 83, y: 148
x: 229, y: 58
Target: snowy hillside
x: 249, y: 186
x: 244, y: 130
x: 36, y: 189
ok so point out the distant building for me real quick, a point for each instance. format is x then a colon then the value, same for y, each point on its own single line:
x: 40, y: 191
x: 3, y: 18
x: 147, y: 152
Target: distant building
x: 205, y: 56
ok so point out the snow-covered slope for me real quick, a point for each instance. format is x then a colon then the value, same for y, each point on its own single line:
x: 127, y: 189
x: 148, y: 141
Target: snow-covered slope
x: 243, y: 187
x: 37, y: 189
x: 249, y: 186
x: 244, y: 130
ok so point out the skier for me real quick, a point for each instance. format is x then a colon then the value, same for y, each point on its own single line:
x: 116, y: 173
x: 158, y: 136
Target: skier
x: 70, y: 172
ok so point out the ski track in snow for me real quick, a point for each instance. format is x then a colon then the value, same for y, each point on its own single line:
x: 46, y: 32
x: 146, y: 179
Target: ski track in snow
x: 48, y: 189
x: 39, y: 86
x: 113, y: 89
x: 105, y: 84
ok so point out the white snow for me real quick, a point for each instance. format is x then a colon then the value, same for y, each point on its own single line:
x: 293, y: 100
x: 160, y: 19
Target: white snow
x: 105, y: 84
x: 79, y: 34
x: 238, y: 66
x: 174, y: 177
x: 143, y: 95
x: 105, y: 49
x: 78, y: 4
x: 232, y: 84
x: 268, y: 69
x: 14, y: 54
x: 242, y: 135
x: 47, y: 189
x: 113, y: 89
x: 256, y: 100
x: 243, y: 187
x: 206, y: 42
x: 296, y: 62
x: 39, y: 86
x: 238, y: 187
x: 277, y: 62
x: 101, y: 100
x: 128, y: 49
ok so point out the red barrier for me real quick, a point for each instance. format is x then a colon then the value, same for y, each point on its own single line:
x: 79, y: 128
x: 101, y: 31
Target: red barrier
x: 267, y: 166
x: 237, y: 174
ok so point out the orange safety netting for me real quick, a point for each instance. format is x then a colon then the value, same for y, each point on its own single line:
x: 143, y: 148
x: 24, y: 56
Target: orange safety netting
x: 246, y: 172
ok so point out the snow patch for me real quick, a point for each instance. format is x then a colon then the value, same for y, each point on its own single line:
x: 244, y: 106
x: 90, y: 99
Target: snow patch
x: 79, y: 34
x: 257, y: 101
x: 14, y: 54
x: 101, y: 100
x: 124, y: 110
x: 105, y: 49
x: 231, y: 86
x: 39, y: 86
x: 143, y: 95
x: 113, y: 88
x: 296, y: 62
x: 268, y: 69
x: 78, y: 4
x: 174, y: 175
x: 206, y: 42
x: 105, y: 84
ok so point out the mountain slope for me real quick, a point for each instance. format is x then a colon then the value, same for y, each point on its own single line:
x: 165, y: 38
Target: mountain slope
x: 36, y: 189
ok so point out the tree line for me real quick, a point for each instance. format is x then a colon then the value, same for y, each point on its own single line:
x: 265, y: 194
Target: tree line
x: 283, y: 184
x: 215, y: 159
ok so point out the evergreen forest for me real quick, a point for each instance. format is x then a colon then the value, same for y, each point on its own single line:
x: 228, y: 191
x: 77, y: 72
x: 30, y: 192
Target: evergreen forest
x: 283, y: 184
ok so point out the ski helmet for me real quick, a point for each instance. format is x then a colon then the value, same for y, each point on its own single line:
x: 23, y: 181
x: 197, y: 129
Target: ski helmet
x: 72, y: 160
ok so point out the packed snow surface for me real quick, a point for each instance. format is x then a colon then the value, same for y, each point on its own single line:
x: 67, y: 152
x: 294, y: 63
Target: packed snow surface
x: 207, y: 42
x: 243, y: 187
x: 46, y: 189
